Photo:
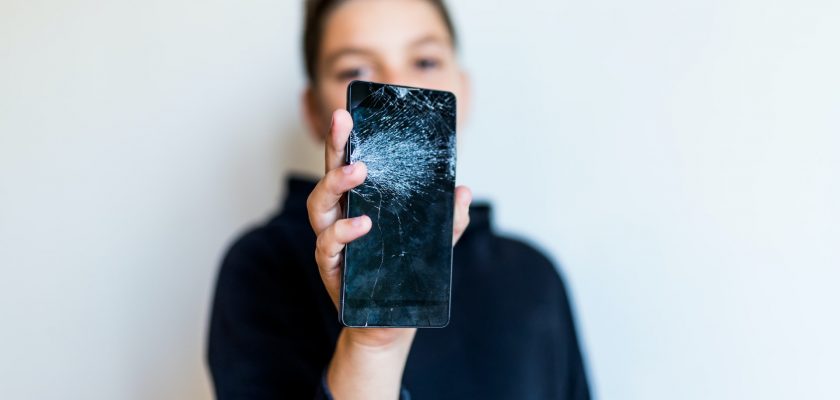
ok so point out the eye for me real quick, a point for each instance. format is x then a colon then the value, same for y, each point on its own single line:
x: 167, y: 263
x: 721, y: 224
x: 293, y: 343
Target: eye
x: 427, y: 63
x: 352, y: 73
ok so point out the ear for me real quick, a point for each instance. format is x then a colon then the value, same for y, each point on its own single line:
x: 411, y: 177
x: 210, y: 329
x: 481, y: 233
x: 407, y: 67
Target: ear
x: 312, y: 114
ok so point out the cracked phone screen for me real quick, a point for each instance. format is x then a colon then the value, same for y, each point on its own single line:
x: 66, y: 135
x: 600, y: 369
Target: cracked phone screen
x: 399, y: 273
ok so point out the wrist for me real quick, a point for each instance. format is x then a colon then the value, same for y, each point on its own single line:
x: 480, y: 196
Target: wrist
x: 377, y: 340
x: 369, y: 363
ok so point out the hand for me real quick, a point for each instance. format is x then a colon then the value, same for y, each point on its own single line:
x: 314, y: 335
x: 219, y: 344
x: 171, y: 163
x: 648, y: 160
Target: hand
x: 366, y: 360
x: 324, y: 205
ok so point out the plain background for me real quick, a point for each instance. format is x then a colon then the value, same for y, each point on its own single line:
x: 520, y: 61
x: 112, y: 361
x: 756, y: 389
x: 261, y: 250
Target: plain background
x: 679, y: 158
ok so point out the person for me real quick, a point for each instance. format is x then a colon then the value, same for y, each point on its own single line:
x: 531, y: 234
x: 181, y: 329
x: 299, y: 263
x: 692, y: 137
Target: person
x: 274, y: 331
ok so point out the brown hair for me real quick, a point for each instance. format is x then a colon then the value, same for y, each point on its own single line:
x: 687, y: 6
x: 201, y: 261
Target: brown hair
x: 317, y: 12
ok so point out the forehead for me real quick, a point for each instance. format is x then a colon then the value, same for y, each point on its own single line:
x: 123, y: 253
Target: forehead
x: 381, y: 25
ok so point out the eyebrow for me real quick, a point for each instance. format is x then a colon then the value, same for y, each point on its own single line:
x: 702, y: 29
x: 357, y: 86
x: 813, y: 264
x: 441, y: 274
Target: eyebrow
x: 423, y: 40
x: 430, y: 38
x: 345, y: 52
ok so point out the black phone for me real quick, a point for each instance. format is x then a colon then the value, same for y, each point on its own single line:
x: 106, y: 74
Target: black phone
x: 400, y: 273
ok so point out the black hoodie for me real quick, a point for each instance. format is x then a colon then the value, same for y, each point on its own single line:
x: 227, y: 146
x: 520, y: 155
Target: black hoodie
x: 511, y: 333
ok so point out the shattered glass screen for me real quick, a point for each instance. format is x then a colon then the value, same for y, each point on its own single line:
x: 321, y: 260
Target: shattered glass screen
x: 399, y: 273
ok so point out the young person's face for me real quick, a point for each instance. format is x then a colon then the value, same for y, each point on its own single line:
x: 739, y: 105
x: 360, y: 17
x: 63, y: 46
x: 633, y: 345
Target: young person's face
x: 403, y: 42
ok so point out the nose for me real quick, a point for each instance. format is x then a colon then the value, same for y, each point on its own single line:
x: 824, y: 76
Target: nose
x: 392, y: 74
x: 397, y: 73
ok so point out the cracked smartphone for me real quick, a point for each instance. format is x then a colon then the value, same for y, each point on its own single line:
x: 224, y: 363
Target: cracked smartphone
x: 399, y: 274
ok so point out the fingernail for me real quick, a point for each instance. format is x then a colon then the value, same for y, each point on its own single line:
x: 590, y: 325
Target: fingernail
x: 348, y: 169
x: 357, y: 222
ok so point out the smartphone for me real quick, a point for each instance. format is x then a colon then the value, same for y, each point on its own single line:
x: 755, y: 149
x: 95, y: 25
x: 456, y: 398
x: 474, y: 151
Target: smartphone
x: 400, y: 273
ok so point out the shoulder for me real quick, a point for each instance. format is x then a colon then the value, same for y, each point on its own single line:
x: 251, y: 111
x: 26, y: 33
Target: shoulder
x: 486, y: 251
x: 527, y: 272
x: 525, y: 251
x: 527, y: 261
x: 278, y: 247
x: 268, y: 274
x: 268, y: 299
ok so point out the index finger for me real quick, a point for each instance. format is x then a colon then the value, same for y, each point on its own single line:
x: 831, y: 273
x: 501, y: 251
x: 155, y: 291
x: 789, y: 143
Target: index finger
x: 335, y: 144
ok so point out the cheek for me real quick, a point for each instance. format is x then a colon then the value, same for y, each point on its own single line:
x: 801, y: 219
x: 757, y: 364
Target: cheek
x: 446, y: 80
x: 333, y: 96
x: 455, y: 84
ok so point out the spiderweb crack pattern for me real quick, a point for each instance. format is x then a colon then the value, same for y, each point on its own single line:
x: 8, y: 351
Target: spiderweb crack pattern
x: 406, y: 138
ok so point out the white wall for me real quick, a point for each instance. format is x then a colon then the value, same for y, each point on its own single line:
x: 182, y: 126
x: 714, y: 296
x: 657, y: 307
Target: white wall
x: 680, y: 158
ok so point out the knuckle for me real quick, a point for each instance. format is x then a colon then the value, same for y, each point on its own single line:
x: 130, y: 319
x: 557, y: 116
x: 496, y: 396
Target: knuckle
x: 312, y: 199
x: 319, y: 243
x: 318, y: 259
x: 332, y: 180
x: 309, y: 201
